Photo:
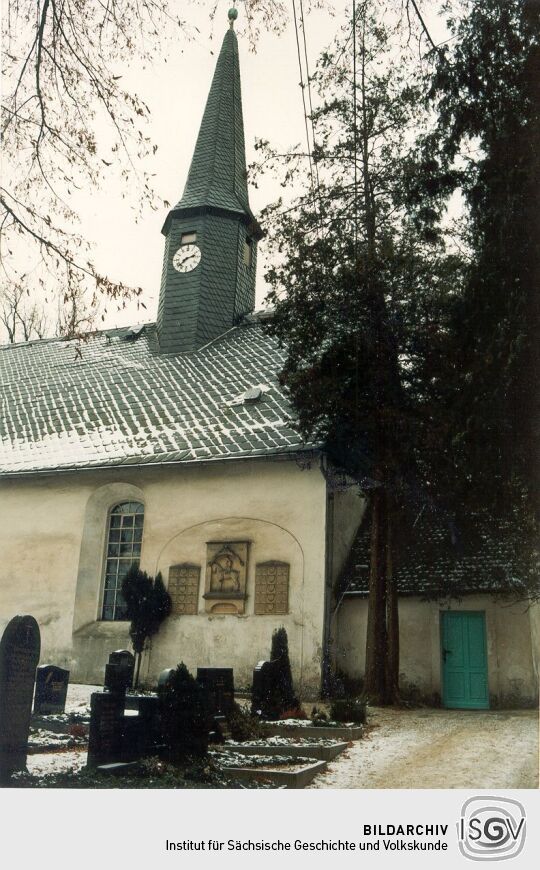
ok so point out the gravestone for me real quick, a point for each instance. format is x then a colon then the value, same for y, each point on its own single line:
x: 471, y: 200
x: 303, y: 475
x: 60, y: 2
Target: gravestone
x: 263, y: 691
x: 19, y: 655
x: 51, y: 689
x: 119, y: 671
x: 106, y: 726
x: 150, y: 724
x: 218, y: 686
x: 123, y: 657
x: 185, y: 724
x: 165, y: 677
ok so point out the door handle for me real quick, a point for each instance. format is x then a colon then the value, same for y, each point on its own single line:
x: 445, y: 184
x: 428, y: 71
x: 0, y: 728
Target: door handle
x: 446, y: 652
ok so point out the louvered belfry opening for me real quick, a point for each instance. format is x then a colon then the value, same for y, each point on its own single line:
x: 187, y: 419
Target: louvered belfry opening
x: 215, y: 285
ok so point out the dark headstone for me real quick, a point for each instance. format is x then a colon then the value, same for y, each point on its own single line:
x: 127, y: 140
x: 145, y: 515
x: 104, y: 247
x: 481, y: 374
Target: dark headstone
x: 165, y: 677
x: 150, y: 723
x: 218, y: 686
x: 19, y: 655
x: 119, y: 671
x: 185, y: 723
x: 106, y: 727
x: 263, y: 692
x: 141, y: 729
x: 123, y: 657
x: 51, y: 689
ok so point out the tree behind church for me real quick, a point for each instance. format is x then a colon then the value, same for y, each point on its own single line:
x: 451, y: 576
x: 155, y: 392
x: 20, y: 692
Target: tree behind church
x: 148, y: 604
x: 485, y: 91
x: 365, y: 295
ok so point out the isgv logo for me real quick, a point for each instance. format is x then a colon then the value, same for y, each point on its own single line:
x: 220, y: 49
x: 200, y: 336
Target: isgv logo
x: 491, y: 828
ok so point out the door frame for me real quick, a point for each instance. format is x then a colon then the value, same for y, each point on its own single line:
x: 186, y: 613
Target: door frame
x: 442, y: 614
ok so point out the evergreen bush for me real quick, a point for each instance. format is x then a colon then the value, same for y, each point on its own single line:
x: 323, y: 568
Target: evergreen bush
x: 184, y: 718
x: 349, y: 710
x: 283, y: 694
x: 148, y: 604
x: 242, y: 725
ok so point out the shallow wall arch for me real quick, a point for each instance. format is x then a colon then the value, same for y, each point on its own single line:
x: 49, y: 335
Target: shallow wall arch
x: 89, y: 575
x: 221, y: 528
x: 208, y: 639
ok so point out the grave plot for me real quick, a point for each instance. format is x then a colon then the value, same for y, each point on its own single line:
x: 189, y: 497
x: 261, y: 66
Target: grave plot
x: 310, y: 747
x: 305, y: 728
x: 278, y: 770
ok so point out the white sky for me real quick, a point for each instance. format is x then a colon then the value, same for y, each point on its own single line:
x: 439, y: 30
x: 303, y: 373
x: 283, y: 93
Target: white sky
x: 176, y: 88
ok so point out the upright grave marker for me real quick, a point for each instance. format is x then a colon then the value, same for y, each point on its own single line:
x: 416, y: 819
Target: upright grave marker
x: 19, y: 655
x: 218, y: 685
x: 263, y: 692
x: 107, y: 720
x: 105, y: 736
x: 119, y: 671
x: 51, y: 689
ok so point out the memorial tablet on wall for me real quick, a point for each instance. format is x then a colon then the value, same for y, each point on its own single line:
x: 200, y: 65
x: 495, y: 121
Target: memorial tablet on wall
x: 226, y: 576
x: 271, y: 588
x: 184, y: 589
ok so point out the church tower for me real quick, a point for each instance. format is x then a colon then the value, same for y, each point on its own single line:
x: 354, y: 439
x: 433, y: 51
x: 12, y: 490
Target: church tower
x: 208, y: 278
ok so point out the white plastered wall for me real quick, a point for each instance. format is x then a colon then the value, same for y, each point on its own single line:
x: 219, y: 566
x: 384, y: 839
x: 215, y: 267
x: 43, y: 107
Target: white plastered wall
x: 511, y: 673
x: 345, y: 514
x: 52, y: 537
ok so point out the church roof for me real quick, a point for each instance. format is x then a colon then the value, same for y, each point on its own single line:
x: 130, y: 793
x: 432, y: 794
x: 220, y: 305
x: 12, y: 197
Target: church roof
x: 116, y: 401
x: 436, y: 562
x: 217, y: 175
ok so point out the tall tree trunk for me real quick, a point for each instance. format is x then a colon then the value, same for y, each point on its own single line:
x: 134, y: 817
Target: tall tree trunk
x: 392, y: 617
x: 137, y: 670
x: 376, y: 641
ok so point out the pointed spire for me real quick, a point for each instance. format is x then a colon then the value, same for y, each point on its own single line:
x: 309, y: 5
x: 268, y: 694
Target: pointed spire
x: 217, y: 175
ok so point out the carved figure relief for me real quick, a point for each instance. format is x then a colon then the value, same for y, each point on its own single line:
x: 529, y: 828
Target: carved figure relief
x: 271, y: 588
x: 184, y: 589
x: 226, y: 576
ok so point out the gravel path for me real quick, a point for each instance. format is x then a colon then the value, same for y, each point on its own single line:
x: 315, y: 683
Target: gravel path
x: 440, y: 749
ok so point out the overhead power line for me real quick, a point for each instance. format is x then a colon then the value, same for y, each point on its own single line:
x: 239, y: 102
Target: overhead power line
x: 309, y: 92
x: 314, y: 175
x: 302, y: 87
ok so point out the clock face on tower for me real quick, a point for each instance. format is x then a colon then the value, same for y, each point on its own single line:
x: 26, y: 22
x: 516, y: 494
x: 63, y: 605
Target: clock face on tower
x: 187, y: 258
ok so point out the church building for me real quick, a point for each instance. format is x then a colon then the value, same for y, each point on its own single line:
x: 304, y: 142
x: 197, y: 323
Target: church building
x: 170, y: 444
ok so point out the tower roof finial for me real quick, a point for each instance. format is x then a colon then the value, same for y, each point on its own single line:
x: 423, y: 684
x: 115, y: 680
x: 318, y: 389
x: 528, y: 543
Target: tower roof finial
x: 233, y: 15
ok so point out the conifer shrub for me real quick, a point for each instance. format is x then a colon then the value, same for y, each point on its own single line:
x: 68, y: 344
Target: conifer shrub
x: 284, y: 697
x: 242, y: 725
x: 148, y: 604
x: 183, y: 715
x: 349, y: 710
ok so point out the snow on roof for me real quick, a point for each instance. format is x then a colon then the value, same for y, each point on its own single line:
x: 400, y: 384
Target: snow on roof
x: 115, y: 400
x: 435, y: 563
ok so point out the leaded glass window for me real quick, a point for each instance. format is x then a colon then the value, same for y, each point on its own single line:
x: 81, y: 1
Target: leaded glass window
x: 123, y: 549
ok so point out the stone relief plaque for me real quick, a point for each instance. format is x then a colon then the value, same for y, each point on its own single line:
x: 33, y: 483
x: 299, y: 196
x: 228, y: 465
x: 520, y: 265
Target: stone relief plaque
x: 184, y: 589
x: 226, y: 576
x: 271, y: 588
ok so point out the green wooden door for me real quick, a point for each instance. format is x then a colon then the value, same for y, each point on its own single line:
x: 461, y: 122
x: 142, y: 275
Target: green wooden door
x: 464, y: 660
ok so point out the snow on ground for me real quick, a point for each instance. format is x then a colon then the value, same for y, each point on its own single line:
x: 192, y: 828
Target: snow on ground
x: 78, y: 697
x: 440, y: 749
x: 56, y: 762
x: 423, y: 748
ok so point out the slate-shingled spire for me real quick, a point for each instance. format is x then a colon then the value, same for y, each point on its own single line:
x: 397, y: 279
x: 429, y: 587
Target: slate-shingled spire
x: 217, y: 175
x: 198, y: 305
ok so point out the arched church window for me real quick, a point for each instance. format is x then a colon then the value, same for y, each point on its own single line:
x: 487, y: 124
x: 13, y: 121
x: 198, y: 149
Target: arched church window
x: 124, y: 541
